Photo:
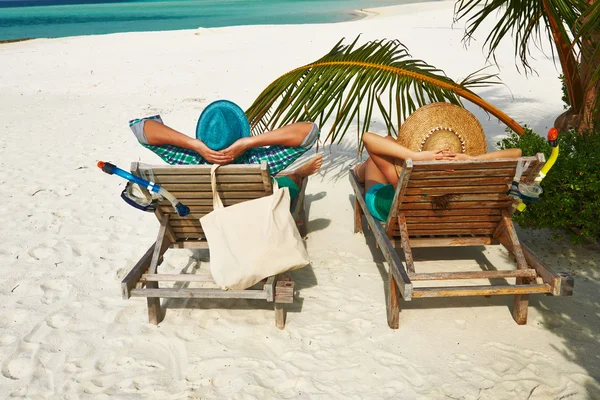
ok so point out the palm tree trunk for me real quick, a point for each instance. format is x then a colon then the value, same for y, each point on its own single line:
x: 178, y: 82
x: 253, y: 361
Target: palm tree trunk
x: 590, y: 112
x: 567, y: 62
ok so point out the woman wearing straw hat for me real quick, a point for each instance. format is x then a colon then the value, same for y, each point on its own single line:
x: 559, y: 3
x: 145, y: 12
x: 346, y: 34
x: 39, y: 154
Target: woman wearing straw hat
x: 223, y: 137
x: 437, y: 131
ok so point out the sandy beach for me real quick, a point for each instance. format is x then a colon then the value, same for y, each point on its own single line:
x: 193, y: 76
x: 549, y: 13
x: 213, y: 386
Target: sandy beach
x: 67, y: 239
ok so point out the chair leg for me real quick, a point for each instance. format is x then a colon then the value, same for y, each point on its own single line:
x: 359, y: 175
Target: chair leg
x: 520, y: 306
x: 279, y: 315
x: 155, y: 314
x: 357, y: 217
x: 302, y: 229
x: 393, y: 305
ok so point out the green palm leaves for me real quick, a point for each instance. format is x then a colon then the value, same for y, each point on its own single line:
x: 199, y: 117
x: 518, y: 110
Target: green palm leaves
x: 573, y: 26
x: 522, y: 19
x: 350, y: 81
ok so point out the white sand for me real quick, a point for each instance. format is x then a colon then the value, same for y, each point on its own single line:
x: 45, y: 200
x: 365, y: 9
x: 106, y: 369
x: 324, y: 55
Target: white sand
x: 67, y: 239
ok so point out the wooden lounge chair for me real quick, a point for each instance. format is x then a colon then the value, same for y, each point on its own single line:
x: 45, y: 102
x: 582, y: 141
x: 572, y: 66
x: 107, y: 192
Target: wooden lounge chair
x: 191, y: 185
x: 477, y: 212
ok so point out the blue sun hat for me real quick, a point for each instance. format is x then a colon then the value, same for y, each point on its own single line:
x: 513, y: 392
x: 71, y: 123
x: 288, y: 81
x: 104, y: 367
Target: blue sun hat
x: 221, y: 123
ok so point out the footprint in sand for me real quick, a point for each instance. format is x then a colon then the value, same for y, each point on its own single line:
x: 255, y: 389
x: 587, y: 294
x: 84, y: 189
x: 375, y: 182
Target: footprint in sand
x: 18, y: 368
x: 58, y: 321
x: 189, y: 334
x: 509, y: 367
x: 54, y: 290
x: 408, y: 372
x: 12, y: 318
x: 41, y: 252
x: 5, y: 340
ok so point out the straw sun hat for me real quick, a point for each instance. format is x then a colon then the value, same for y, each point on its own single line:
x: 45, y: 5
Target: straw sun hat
x: 440, y: 126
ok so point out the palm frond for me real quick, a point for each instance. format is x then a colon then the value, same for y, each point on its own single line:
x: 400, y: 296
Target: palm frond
x: 349, y: 81
x: 524, y: 21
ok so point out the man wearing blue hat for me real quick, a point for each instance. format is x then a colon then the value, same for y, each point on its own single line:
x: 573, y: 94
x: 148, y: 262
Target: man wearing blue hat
x: 223, y: 137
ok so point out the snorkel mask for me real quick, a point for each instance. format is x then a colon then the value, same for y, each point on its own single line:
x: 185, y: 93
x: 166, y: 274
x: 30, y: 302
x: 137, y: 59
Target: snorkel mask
x: 531, y: 191
x: 152, y: 187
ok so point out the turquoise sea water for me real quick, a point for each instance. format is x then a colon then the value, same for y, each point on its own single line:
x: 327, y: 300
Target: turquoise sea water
x: 59, y: 18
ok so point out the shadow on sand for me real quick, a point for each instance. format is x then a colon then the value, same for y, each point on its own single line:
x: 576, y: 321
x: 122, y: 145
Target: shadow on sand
x: 574, y: 319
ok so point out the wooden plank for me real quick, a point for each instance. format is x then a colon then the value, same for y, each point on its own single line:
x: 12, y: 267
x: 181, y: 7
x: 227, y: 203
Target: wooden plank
x: 186, y: 222
x: 455, y: 205
x: 190, y: 216
x: 451, y: 241
x: 188, y: 229
x: 199, y: 205
x: 284, y: 290
x: 460, y: 291
x: 511, y: 235
x: 170, y: 181
x: 135, y: 170
x: 531, y: 173
x: 279, y: 315
x: 358, y: 213
x: 403, y: 180
x: 457, y: 182
x: 155, y: 314
x: 392, y: 302
x: 440, y: 191
x: 162, y: 244
x: 548, y: 275
x: 202, y: 209
x: 391, y: 227
x: 221, y: 187
x: 267, y: 183
x: 463, y: 211
x: 468, y: 164
x: 190, y: 244
x: 423, y: 198
x: 298, y: 208
x: 178, y: 278
x: 199, y: 293
x: 170, y: 233
x: 227, y: 194
x: 433, y: 276
x: 136, y: 273
x: 410, y: 265
x: 196, y: 235
x: 508, y: 234
x: 298, y: 203
x: 269, y: 288
x: 455, y: 231
x: 388, y: 251
x: 412, y: 227
x: 451, y: 219
x: 466, y: 173
x: 201, y: 169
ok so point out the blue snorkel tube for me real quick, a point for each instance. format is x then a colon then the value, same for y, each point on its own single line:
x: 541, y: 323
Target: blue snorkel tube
x: 111, y: 169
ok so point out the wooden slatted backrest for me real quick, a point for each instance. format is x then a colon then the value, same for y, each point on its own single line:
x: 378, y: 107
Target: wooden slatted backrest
x: 440, y: 198
x: 190, y: 184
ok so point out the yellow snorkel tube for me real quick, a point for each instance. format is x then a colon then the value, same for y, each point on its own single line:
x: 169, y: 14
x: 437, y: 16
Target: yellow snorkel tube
x: 552, y: 141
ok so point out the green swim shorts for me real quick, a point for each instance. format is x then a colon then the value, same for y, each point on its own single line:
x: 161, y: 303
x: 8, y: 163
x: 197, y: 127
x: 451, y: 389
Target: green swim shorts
x: 379, y: 200
x: 286, y: 181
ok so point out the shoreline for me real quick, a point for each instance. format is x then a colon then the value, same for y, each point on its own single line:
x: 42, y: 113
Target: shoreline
x: 353, y: 15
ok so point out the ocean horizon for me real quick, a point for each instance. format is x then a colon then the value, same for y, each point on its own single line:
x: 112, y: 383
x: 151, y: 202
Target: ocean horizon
x: 21, y: 19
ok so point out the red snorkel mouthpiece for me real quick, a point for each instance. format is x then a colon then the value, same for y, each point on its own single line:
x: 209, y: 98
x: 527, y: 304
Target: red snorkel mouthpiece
x: 553, y: 137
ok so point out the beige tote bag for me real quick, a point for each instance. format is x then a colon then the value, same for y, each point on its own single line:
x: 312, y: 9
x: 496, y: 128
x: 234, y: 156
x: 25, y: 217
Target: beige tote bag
x: 252, y: 240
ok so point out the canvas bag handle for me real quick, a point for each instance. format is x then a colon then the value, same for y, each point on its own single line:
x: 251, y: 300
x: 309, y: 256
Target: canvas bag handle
x: 217, y: 203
